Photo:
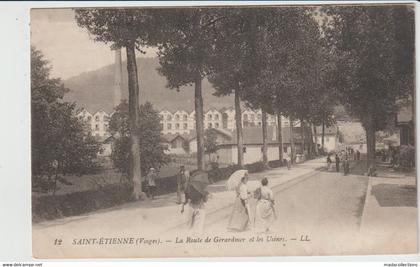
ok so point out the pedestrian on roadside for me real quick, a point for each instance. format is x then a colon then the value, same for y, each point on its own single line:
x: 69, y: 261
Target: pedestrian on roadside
x: 196, y: 197
x: 346, y: 163
x: 180, y: 181
x: 329, y: 161
x: 264, y: 211
x: 286, y: 157
x: 151, y: 183
x: 337, y: 162
x: 357, y: 155
x: 241, y: 217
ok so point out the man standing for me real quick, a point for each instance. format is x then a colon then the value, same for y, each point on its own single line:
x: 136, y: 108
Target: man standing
x: 337, y: 162
x: 286, y: 158
x: 346, y: 164
x: 180, y: 181
x: 151, y: 183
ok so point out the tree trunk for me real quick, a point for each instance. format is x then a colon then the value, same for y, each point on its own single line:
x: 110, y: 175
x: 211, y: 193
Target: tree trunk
x: 199, y: 124
x: 133, y: 105
x: 371, y: 144
x: 323, y: 133
x: 316, y: 140
x: 292, y: 140
x: 280, y: 137
x: 264, y: 133
x: 238, y: 120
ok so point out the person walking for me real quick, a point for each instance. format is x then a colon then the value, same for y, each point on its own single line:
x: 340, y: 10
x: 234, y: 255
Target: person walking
x: 329, y: 161
x: 264, y: 212
x: 151, y: 183
x: 286, y: 157
x: 240, y: 216
x: 196, y: 196
x: 346, y: 163
x: 181, y: 180
x: 337, y: 162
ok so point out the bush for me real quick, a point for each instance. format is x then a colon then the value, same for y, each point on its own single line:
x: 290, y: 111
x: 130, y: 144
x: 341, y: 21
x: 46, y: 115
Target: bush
x: 222, y: 173
x: 53, y: 207
x: 407, y: 155
x: 275, y: 164
x: 255, y: 167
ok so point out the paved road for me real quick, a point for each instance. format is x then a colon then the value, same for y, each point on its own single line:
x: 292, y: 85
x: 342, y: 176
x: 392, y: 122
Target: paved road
x: 322, y: 208
x: 326, y: 207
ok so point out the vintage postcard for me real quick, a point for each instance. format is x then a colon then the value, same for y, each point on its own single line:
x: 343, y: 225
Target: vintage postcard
x: 221, y: 131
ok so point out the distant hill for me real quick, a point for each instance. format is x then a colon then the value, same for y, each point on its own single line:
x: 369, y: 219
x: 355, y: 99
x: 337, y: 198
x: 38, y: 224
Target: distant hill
x: 94, y: 90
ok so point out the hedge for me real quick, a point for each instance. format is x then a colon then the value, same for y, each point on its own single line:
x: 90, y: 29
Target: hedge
x: 50, y: 207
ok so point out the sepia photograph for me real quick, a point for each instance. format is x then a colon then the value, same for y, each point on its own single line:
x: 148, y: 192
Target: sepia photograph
x: 223, y: 131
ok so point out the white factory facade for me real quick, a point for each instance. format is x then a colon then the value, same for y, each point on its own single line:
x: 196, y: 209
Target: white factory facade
x: 183, y: 121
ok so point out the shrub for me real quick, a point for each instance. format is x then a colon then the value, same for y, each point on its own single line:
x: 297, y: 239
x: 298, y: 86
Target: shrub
x: 407, y: 155
x: 275, y: 164
x: 255, y: 167
x: 51, y: 207
x: 222, y: 173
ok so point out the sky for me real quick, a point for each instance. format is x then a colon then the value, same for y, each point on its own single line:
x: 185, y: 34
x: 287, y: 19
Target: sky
x: 69, y: 48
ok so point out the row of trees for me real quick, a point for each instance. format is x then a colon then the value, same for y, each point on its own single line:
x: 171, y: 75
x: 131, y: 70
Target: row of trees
x: 292, y: 61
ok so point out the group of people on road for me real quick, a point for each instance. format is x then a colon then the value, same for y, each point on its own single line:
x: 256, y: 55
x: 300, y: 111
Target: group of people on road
x: 344, y: 156
x: 192, y: 192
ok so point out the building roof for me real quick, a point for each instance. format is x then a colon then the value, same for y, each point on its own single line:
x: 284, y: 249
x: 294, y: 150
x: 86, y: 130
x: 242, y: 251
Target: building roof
x: 170, y: 137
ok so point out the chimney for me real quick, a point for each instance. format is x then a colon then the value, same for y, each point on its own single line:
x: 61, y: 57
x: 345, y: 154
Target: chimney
x: 117, y: 77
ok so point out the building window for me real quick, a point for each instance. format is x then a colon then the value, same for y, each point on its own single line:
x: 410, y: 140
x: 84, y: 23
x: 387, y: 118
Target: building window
x: 245, y: 117
x: 169, y: 117
x: 285, y: 149
x: 96, y: 118
x: 244, y: 149
x: 216, y: 117
x: 259, y: 116
x: 169, y: 126
x: 177, y: 117
x: 259, y: 123
x: 177, y: 126
x: 185, y: 126
x: 209, y: 116
x: 89, y: 118
x: 185, y: 117
x: 210, y: 125
x: 252, y: 117
x: 160, y: 117
x: 96, y: 127
x: 216, y: 125
x: 173, y: 144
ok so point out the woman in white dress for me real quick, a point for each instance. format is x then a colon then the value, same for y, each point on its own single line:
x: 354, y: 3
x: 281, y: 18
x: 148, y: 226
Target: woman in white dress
x: 240, y: 217
x: 264, y: 213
